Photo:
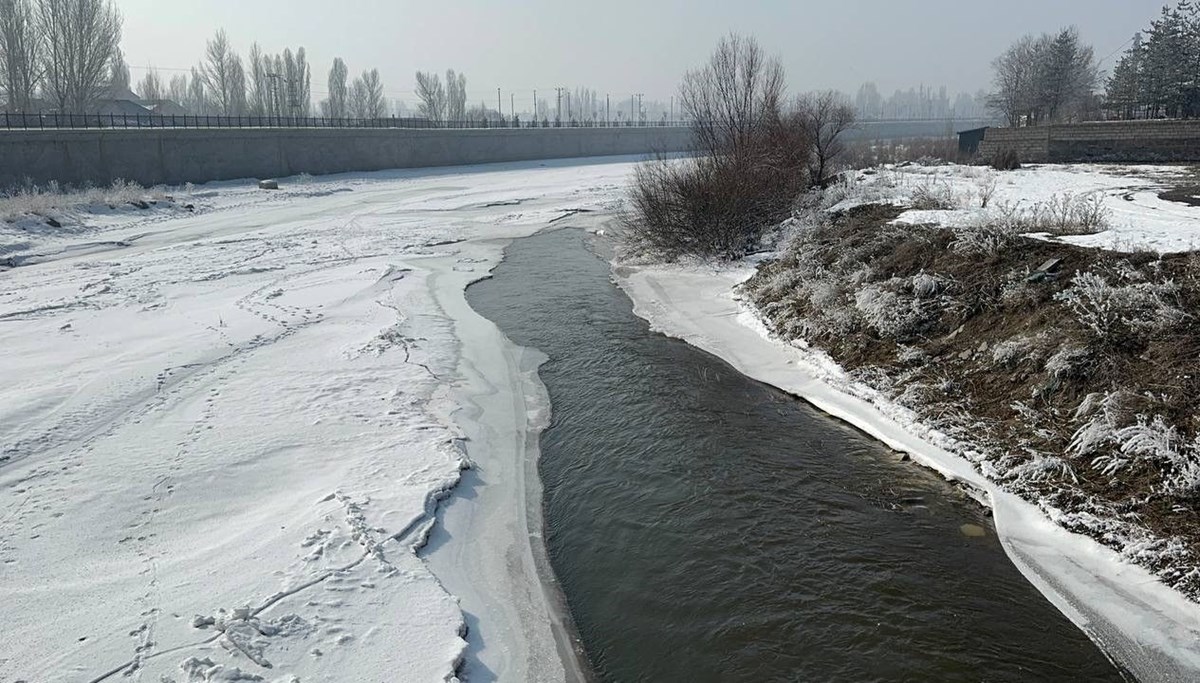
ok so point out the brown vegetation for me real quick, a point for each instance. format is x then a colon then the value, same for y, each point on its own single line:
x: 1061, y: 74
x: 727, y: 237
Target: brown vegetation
x: 1073, y: 374
x: 756, y: 155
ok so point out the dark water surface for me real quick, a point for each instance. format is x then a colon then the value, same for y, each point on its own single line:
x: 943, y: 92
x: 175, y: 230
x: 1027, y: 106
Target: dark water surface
x: 706, y: 527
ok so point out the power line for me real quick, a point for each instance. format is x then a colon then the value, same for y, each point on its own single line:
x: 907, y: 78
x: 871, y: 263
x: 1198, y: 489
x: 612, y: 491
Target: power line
x: 1123, y: 46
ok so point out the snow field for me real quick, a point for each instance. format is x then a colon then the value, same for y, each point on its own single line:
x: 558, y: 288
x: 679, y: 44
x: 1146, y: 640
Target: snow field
x: 1122, y: 201
x: 223, y: 436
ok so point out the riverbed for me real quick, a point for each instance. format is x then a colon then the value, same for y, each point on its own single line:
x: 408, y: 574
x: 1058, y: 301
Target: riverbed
x: 704, y: 526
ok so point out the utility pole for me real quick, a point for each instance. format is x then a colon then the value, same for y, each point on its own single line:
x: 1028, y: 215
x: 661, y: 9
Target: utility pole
x: 512, y: 106
x: 639, y: 96
x: 535, y: 104
x: 570, y: 117
x: 499, y: 110
x: 672, y: 107
x: 607, y: 111
x: 632, y: 101
x: 558, y: 105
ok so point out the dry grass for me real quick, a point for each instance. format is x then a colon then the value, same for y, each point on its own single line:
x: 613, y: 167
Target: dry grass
x: 50, y: 199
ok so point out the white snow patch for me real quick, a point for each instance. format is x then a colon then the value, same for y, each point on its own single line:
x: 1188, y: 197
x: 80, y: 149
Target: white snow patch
x: 1127, y: 195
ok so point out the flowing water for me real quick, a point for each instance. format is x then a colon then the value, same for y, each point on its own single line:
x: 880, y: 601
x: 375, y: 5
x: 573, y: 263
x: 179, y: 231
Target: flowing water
x: 705, y: 527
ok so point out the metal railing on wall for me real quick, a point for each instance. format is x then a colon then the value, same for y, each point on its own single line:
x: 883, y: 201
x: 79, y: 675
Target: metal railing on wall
x: 12, y: 121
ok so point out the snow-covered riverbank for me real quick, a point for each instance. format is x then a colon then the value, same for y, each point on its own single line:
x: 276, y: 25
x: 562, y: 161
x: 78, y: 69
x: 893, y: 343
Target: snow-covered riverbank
x: 1147, y: 627
x: 225, y: 435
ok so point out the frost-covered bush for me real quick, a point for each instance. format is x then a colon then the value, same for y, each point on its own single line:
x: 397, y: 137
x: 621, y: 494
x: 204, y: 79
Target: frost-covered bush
x: 858, y: 188
x: 986, y: 190
x: 927, y: 285
x: 1041, y: 468
x: 934, y: 194
x: 873, y: 376
x: 892, y: 314
x: 1114, y: 312
x: 1065, y: 213
x: 1114, y: 444
x: 911, y: 355
x: 35, y: 200
x: 1070, y: 213
x: 1012, y: 351
x: 1102, y: 413
x: 1016, y: 290
x: 1068, y: 361
x: 984, y: 237
x: 825, y: 293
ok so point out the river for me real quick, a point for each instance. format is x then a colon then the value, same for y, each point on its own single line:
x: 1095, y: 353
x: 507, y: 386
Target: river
x: 706, y: 527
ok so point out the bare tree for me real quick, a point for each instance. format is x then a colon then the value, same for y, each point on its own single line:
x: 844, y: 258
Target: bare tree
x: 298, y: 81
x: 733, y: 97
x: 1044, y: 79
x: 151, y: 86
x: 118, y: 77
x: 198, y: 99
x: 338, y: 89
x: 177, y: 89
x: 20, y: 54
x: 823, y: 118
x: 432, y: 96
x: 1014, y: 80
x: 357, y: 103
x: 237, y: 87
x: 258, y: 95
x: 456, y: 96
x: 375, y: 103
x: 754, y: 161
x: 218, y: 70
x: 81, y: 38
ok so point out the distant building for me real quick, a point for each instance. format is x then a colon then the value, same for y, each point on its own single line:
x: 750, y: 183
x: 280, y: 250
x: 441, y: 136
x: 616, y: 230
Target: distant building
x: 968, y: 141
x: 164, y: 107
x: 120, y: 108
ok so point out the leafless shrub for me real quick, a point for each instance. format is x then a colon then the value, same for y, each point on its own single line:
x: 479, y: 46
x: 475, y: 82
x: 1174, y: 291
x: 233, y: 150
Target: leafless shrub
x: 1068, y: 361
x: 933, y: 194
x: 714, y: 207
x: 754, y: 162
x: 1011, y: 352
x: 824, y: 119
x: 1117, y: 438
x: 985, y: 239
x: 987, y: 188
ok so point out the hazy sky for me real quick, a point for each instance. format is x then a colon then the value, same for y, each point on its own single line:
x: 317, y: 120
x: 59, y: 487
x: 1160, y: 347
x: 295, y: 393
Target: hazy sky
x: 625, y: 46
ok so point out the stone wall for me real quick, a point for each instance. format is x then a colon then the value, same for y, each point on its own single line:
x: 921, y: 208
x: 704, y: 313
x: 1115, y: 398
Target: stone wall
x: 179, y: 155
x: 1032, y: 145
x: 1117, y: 141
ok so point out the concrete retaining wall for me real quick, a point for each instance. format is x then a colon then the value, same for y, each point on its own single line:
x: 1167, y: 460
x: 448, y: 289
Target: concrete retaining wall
x: 1122, y: 141
x: 176, y: 155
